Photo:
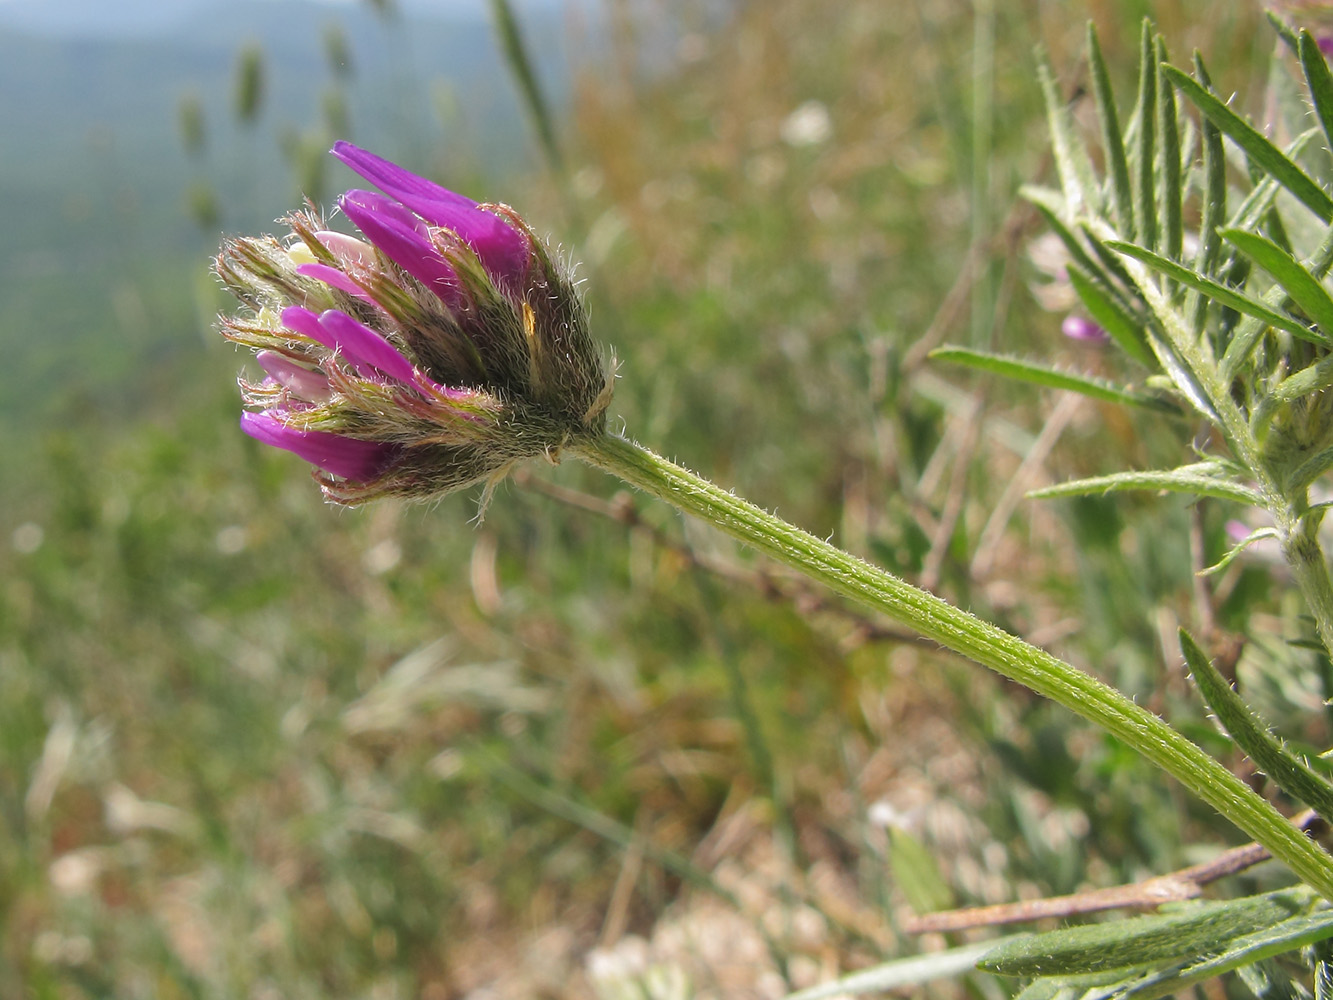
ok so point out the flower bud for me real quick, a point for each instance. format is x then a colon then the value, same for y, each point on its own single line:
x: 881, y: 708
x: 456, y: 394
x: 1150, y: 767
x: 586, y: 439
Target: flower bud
x: 434, y: 352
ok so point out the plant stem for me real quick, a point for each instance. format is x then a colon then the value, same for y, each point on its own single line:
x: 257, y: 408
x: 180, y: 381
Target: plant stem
x: 968, y: 635
x: 1300, y: 546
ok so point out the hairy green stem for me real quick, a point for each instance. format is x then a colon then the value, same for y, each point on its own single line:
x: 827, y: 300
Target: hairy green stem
x: 1300, y: 546
x: 968, y: 635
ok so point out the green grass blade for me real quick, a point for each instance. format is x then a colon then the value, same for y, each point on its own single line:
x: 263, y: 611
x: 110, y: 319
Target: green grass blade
x: 1262, y: 152
x: 520, y: 64
x: 1184, y: 480
x: 1170, y: 185
x: 1293, y: 776
x: 1302, y: 287
x: 601, y: 825
x: 916, y: 875
x: 1218, y: 292
x: 1113, y: 143
x: 1049, y: 378
x: 1111, y: 317
x: 1072, y: 162
x: 1146, y: 231
x: 1142, y: 941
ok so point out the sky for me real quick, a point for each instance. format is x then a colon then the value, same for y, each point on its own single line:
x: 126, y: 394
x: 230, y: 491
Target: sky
x: 141, y: 18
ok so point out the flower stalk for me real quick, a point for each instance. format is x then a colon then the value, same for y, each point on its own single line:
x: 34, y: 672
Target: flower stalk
x: 968, y: 635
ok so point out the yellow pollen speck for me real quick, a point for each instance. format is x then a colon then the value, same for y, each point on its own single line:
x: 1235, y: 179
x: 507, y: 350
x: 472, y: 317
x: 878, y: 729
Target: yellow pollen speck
x: 529, y: 321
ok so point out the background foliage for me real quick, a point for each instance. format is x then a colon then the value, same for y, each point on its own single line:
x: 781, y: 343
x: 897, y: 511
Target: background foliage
x: 254, y: 746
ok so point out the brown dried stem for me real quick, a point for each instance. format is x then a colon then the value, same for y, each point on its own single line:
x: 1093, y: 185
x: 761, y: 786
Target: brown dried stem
x: 1187, y: 883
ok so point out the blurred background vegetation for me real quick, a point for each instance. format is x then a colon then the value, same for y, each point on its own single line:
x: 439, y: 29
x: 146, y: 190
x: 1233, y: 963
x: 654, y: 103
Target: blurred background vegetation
x: 255, y: 746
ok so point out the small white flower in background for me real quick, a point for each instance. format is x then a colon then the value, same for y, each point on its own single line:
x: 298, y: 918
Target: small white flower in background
x: 808, y: 125
x: 231, y: 540
x: 27, y: 538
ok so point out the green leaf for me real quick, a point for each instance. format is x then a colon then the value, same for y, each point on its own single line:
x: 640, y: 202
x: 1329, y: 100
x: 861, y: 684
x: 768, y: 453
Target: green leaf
x: 1248, y: 333
x: 1303, y: 288
x: 1071, y: 156
x: 1171, y: 188
x: 1194, y: 479
x: 1310, y: 470
x: 1287, y: 935
x: 1254, y: 536
x: 1112, y: 141
x: 1123, y: 328
x: 1026, y: 371
x: 1182, y: 376
x: 1284, y: 31
x: 1214, y: 205
x: 910, y: 971
x: 1259, y: 149
x: 1320, y: 81
x: 1041, y: 200
x: 1293, y: 776
x: 1200, y: 929
x: 1046, y: 989
x: 1218, y: 292
x: 1147, y: 120
x: 1311, y: 379
x: 1110, y: 260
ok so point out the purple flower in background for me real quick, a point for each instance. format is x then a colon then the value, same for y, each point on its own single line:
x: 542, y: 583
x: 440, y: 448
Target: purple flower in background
x: 1078, y: 328
x: 433, y: 351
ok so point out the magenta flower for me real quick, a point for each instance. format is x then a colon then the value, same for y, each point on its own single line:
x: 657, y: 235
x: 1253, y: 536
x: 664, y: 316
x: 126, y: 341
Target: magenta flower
x: 433, y: 351
x: 1078, y: 328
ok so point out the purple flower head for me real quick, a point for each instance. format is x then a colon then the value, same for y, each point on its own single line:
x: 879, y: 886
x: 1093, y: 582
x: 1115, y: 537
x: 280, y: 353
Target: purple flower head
x: 436, y: 349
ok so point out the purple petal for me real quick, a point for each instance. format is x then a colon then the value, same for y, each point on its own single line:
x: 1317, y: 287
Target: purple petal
x: 333, y: 277
x: 388, y: 176
x: 363, y: 346
x: 350, y: 458
x: 400, y: 214
x: 300, y: 382
x: 381, y: 219
x: 306, y: 323
x: 502, y: 250
x: 1078, y: 328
